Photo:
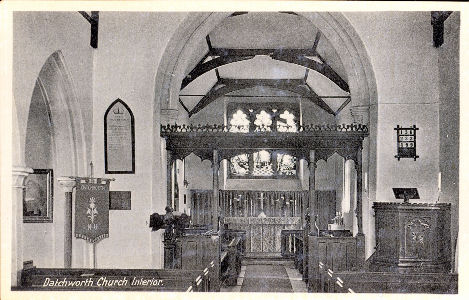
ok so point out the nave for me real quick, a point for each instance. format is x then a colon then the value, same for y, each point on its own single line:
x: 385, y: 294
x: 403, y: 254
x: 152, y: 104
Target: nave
x: 265, y: 147
x: 268, y: 275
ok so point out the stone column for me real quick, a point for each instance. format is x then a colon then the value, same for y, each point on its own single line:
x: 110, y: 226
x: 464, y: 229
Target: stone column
x: 361, y: 115
x: 348, y: 197
x: 169, y: 179
x: 169, y: 116
x: 18, y: 180
x: 215, y: 167
x: 359, y: 209
x: 312, y: 213
x: 312, y: 190
x: 67, y: 184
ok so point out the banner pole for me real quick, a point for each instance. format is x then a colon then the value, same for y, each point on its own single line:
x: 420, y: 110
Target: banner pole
x: 94, y: 256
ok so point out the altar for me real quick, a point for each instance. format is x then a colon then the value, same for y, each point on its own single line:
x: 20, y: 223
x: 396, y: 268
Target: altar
x: 263, y: 235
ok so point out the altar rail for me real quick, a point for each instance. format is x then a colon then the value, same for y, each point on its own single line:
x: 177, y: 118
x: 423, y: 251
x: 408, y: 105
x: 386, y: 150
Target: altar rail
x: 241, y: 203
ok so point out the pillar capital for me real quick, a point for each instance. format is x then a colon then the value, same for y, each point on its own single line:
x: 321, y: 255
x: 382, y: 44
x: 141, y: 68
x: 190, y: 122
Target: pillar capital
x: 19, y: 174
x: 169, y: 115
x: 66, y: 183
x: 361, y: 114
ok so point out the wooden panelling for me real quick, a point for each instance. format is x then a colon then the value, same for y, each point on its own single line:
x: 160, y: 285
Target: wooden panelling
x: 386, y: 282
x: 412, y: 237
x: 263, y: 235
x: 198, y: 251
x: 338, y: 253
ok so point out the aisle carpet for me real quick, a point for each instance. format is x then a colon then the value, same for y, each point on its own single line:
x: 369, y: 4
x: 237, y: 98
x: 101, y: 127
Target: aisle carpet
x: 266, y: 278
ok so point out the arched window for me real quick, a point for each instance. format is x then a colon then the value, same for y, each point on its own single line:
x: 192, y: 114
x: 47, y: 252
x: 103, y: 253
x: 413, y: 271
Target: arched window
x: 263, y: 117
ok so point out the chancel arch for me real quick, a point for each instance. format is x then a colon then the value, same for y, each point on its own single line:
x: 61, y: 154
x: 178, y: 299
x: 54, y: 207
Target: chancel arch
x: 181, y: 57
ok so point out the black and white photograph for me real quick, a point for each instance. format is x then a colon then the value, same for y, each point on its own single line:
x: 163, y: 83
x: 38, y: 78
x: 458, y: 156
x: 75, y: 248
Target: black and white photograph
x: 258, y: 148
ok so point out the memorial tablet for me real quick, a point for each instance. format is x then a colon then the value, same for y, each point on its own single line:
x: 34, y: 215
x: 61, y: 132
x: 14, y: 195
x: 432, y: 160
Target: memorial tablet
x: 119, y: 139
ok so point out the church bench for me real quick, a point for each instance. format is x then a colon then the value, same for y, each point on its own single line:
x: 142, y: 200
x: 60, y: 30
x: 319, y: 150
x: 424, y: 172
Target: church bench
x: 342, y: 253
x: 33, y: 278
x: 230, y: 234
x: 230, y: 261
x: 387, y: 282
x: 198, y: 251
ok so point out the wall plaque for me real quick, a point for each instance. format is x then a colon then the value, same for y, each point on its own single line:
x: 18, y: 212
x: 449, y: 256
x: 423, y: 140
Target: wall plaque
x: 406, y: 142
x: 120, y: 200
x: 119, y: 139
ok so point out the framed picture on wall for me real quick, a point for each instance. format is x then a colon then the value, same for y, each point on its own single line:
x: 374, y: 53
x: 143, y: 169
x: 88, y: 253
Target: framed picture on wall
x: 38, y: 197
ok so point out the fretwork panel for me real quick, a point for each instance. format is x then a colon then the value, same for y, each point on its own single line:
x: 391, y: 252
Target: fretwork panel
x: 263, y: 235
x: 236, y: 203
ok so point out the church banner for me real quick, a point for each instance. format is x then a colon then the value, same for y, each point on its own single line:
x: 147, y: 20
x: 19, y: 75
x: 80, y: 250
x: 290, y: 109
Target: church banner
x: 92, y: 209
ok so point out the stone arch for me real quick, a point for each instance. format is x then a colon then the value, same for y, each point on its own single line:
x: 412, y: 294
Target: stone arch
x: 58, y: 91
x: 335, y: 27
x: 68, y: 154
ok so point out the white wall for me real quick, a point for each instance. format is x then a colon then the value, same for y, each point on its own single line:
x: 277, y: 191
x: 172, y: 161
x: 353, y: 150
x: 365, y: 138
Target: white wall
x: 448, y: 63
x: 130, y: 47
x: 36, y: 36
x: 405, y: 64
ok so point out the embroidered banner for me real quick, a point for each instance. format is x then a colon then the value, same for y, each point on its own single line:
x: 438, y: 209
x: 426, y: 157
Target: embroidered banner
x: 92, y: 209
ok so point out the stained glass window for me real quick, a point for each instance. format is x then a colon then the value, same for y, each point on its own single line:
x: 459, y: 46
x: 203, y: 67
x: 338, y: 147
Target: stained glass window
x: 263, y: 117
x: 263, y: 121
x: 239, y: 165
x: 262, y: 164
x: 239, y: 122
x: 286, y: 122
x: 286, y: 164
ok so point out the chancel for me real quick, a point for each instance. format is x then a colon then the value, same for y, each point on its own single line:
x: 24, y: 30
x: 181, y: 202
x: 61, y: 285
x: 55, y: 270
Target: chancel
x: 235, y: 151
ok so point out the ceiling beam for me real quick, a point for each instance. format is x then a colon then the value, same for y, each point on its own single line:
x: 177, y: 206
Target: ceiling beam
x: 318, y: 101
x: 184, y: 106
x: 215, y: 92
x: 94, y: 22
x: 250, y: 52
x: 238, y: 13
x: 262, y: 82
x: 321, y: 68
x: 316, y: 41
x: 225, y: 86
x: 346, y: 102
x: 438, y: 20
x: 210, y: 65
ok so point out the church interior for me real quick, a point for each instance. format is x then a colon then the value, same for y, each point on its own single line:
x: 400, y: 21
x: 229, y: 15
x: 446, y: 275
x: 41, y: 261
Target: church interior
x: 236, y: 151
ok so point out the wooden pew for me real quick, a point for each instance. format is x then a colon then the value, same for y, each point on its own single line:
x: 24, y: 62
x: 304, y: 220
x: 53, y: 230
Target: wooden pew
x: 340, y: 253
x: 230, y: 261
x: 198, y: 251
x: 56, y: 279
x: 230, y: 234
x: 386, y: 282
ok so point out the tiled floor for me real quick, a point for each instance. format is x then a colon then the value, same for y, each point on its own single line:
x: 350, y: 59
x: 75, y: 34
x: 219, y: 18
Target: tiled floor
x: 298, y: 285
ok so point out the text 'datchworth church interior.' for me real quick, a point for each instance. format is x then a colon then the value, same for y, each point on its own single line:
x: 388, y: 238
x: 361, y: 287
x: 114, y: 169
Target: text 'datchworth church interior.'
x: 281, y: 151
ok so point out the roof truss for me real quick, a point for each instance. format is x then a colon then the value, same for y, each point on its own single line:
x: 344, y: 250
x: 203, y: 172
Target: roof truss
x: 225, y: 86
x: 224, y: 56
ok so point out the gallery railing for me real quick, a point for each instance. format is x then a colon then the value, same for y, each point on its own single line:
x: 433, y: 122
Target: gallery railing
x: 173, y: 128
